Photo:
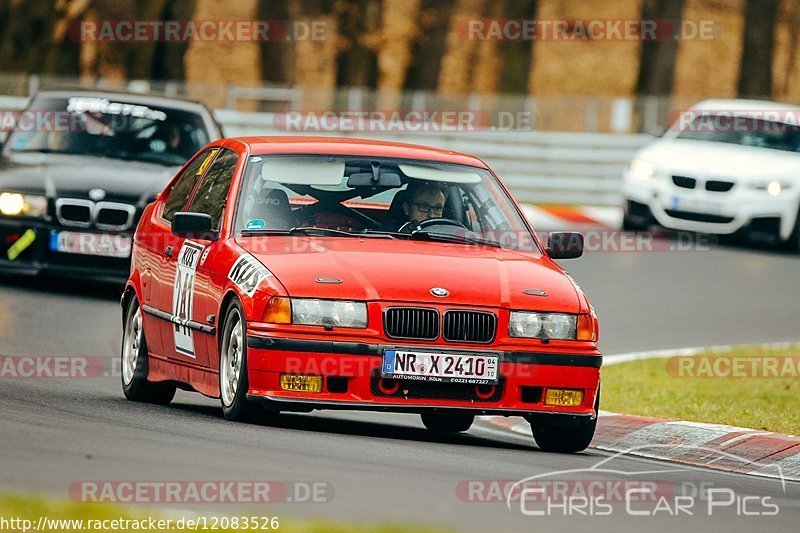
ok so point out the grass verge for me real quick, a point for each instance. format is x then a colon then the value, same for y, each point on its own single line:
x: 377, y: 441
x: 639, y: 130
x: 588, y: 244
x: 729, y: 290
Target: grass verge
x: 719, y: 387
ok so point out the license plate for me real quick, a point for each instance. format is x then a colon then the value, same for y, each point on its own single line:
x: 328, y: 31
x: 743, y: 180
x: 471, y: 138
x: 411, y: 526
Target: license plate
x: 444, y: 367
x: 695, y: 205
x: 102, y: 244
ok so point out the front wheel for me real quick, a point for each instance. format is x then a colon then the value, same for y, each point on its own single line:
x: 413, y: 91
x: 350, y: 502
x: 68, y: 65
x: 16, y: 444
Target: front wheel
x: 233, y: 383
x: 447, y: 423
x: 566, y: 439
x: 135, y: 362
x: 793, y: 244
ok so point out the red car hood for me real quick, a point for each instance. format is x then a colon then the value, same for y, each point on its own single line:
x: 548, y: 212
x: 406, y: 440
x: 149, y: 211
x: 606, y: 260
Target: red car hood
x: 399, y: 270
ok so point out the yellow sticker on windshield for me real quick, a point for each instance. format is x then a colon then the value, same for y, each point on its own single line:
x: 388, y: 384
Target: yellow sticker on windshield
x: 207, y: 161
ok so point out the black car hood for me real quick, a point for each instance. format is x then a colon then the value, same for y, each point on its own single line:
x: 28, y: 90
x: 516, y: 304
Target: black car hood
x: 73, y: 176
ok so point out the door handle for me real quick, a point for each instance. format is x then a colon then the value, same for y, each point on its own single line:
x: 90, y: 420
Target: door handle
x: 168, y: 251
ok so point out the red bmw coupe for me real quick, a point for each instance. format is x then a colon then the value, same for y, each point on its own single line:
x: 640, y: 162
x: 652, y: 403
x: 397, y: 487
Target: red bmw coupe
x: 296, y: 273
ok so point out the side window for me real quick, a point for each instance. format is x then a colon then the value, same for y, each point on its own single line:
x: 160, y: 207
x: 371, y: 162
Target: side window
x: 213, y: 189
x: 183, y: 186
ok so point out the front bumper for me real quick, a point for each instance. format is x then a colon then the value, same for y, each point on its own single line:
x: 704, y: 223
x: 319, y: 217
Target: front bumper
x: 717, y: 213
x: 352, y: 380
x: 37, y: 257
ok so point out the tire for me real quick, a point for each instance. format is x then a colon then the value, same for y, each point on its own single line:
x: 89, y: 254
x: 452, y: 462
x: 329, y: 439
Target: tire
x: 447, y: 423
x: 566, y: 439
x: 630, y: 225
x: 233, y: 382
x: 135, y: 362
x: 793, y: 244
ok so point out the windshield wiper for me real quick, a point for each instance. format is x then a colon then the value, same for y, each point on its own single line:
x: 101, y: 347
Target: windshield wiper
x: 299, y: 230
x: 313, y: 230
x: 460, y: 239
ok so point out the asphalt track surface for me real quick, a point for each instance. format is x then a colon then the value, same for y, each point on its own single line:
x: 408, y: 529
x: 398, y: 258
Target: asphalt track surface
x: 382, y: 468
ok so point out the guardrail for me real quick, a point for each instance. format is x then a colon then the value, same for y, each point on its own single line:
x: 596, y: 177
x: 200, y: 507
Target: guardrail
x: 539, y: 167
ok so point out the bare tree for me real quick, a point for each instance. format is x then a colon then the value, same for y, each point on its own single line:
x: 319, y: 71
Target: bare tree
x: 657, y: 57
x: 755, y: 74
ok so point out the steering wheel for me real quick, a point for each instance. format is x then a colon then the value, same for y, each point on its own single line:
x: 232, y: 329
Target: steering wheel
x: 416, y: 226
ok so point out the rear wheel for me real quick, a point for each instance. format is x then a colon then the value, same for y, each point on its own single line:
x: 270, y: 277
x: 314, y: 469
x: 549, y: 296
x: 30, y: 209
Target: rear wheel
x: 794, y: 239
x: 233, y: 383
x: 566, y: 439
x: 135, y: 362
x: 448, y: 423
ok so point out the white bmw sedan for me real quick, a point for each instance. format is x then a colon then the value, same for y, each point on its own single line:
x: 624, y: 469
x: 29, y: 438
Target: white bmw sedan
x: 724, y: 167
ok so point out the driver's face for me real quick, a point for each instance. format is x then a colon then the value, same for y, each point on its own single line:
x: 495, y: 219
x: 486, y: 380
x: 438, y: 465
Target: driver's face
x: 426, y: 204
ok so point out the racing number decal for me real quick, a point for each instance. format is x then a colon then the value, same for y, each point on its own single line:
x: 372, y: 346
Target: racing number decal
x: 183, y: 296
x: 247, y: 273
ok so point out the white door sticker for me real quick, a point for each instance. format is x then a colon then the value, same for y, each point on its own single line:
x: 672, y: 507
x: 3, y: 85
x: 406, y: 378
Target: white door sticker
x: 183, y: 296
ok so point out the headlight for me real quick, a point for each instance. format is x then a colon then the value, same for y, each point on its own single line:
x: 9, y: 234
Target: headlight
x: 14, y: 204
x: 773, y: 188
x: 642, y: 170
x: 336, y: 313
x: 542, y: 325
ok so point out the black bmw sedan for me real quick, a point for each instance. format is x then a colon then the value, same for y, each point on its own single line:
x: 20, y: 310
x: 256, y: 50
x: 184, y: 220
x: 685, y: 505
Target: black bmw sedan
x: 79, y: 168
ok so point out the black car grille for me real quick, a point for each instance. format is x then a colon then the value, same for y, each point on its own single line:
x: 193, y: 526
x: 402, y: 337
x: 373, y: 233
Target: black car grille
x: 433, y: 390
x: 107, y: 216
x: 114, y: 217
x: 469, y: 326
x: 699, y: 217
x: 411, y: 323
x: 684, y: 182
x: 719, y: 186
x: 76, y: 214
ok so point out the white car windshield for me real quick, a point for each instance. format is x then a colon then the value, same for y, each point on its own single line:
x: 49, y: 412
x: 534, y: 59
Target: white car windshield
x: 744, y: 131
x: 363, y: 196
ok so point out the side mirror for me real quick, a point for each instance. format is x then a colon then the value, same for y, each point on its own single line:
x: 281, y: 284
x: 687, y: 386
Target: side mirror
x: 565, y: 245
x: 193, y: 226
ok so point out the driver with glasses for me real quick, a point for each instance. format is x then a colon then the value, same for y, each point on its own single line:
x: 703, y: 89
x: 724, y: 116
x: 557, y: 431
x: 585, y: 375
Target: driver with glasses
x: 424, y: 201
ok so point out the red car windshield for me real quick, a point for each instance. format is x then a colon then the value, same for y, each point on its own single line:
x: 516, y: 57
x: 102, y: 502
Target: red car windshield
x: 357, y: 196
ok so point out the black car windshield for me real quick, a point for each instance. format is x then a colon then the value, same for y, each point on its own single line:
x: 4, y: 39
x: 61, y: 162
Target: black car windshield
x: 337, y: 197
x: 109, y: 127
x: 744, y: 131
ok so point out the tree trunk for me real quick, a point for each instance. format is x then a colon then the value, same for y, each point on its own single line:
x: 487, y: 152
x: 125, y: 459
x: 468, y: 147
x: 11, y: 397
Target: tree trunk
x: 755, y: 74
x: 657, y: 58
x: 429, y: 47
x: 518, y: 55
x: 213, y: 65
x: 357, y: 63
x: 398, y: 31
x: 455, y: 76
x: 314, y: 65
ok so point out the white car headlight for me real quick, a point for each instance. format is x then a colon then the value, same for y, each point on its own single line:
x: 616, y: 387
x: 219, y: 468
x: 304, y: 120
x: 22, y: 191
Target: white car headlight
x: 773, y: 188
x: 642, y: 170
x: 542, y: 325
x: 14, y: 204
x: 336, y: 313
